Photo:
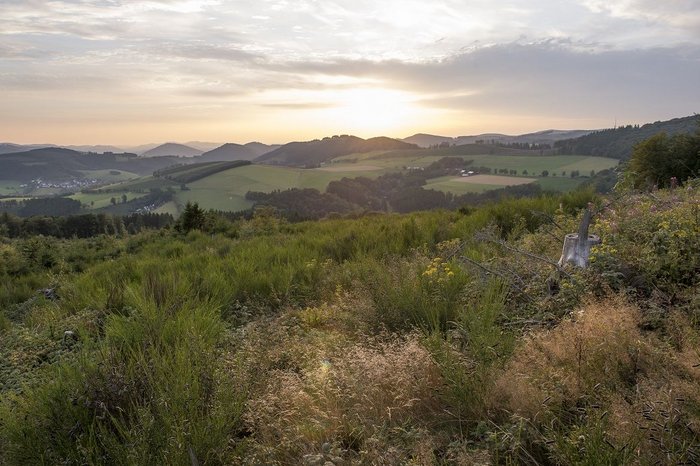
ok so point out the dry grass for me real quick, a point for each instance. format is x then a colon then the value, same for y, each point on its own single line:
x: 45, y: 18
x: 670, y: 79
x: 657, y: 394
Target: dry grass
x: 599, y: 366
x: 600, y: 345
x: 356, y: 399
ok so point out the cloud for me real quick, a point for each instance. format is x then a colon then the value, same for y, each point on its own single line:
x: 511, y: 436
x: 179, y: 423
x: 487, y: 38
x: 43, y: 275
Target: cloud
x: 43, y: 82
x: 545, y: 77
x: 298, y: 105
x: 677, y: 13
x: 458, y: 57
x: 199, y: 50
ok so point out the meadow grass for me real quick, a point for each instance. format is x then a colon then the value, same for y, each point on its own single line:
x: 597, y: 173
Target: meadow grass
x: 100, y: 200
x: 10, y: 187
x: 457, y: 186
x: 559, y: 183
x: 109, y: 175
x: 365, y: 341
x: 226, y: 190
x: 143, y: 184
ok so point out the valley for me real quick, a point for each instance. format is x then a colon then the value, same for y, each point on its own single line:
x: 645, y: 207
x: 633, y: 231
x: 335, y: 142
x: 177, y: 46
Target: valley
x: 225, y: 188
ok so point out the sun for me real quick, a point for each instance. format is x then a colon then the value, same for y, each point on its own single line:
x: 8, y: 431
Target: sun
x: 372, y: 110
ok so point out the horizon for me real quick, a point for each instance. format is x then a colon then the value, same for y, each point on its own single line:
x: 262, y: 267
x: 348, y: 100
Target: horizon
x: 118, y: 72
x: 244, y: 142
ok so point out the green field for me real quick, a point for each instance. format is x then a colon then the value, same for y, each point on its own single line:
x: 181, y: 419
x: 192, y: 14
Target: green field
x: 456, y: 186
x: 9, y: 187
x: 144, y: 184
x: 226, y: 190
x: 168, y: 208
x: 103, y: 199
x: 533, y: 164
x: 110, y: 176
x: 559, y: 183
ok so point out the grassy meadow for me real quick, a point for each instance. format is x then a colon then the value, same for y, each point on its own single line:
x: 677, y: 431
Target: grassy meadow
x: 226, y: 190
x: 94, y: 200
x: 428, y: 338
x: 9, y: 188
x: 110, y: 175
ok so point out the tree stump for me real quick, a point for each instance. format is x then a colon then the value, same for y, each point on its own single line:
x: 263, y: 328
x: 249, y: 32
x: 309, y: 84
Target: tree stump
x: 576, y: 251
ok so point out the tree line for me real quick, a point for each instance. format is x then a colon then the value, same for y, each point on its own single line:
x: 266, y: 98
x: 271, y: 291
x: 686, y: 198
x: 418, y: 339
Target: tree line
x: 81, y: 226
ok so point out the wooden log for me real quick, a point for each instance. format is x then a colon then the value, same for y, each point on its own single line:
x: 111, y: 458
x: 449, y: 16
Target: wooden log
x: 575, y: 251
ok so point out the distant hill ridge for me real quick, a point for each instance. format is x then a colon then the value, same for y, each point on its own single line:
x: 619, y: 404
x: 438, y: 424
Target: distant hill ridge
x: 57, y: 163
x: 231, y: 152
x: 313, y: 153
x: 172, y: 149
x: 548, y: 136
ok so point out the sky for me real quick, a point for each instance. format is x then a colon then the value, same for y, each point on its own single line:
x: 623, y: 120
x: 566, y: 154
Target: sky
x: 134, y: 71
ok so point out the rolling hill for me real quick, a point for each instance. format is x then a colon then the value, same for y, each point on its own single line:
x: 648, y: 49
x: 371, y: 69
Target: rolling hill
x: 548, y: 136
x: 259, y: 148
x: 11, y: 148
x: 59, y: 164
x: 99, y: 149
x: 229, y: 152
x: 313, y: 153
x: 619, y: 142
x: 197, y: 171
x: 172, y: 149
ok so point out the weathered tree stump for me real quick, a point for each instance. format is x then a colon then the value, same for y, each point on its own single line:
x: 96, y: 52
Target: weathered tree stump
x: 576, y: 251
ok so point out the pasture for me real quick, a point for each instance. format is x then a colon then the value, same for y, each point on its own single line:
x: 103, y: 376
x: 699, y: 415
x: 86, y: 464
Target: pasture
x: 534, y: 164
x: 226, y: 189
x: 9, y: 187
x: 494, y: 180
x: 109, y: 176
x: 474, y: 184
x: 99, y: 200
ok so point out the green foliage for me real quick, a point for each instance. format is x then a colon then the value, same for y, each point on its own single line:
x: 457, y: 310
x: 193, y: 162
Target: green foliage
x: 619, y: 142
x: 660, y: 158
x: 192, y: 218
x: 189, y: 173
x: 387, y: 338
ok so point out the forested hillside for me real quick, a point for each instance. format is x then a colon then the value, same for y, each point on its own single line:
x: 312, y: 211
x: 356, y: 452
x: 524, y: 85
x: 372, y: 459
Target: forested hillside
x: 313, y: 153
x: 429, y: 338
x: 619, y: 142
x: 65, y: 164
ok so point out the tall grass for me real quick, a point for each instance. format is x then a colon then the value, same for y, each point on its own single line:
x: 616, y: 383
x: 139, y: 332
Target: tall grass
x: 362, y: 341
x: 149, y: 392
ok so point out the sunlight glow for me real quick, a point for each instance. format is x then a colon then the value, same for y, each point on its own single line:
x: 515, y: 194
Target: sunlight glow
x: 373, y: 110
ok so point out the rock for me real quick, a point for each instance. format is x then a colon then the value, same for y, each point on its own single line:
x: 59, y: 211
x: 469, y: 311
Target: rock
x: 69, y: 335
x: 49, y: 293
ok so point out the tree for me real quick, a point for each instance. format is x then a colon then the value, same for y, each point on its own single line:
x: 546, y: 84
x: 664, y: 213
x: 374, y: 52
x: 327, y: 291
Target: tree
x: 545, y: 173
x: 113, y: 201
x: 124, y: 198
x: 192, y: 218
x: 658, y: 159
